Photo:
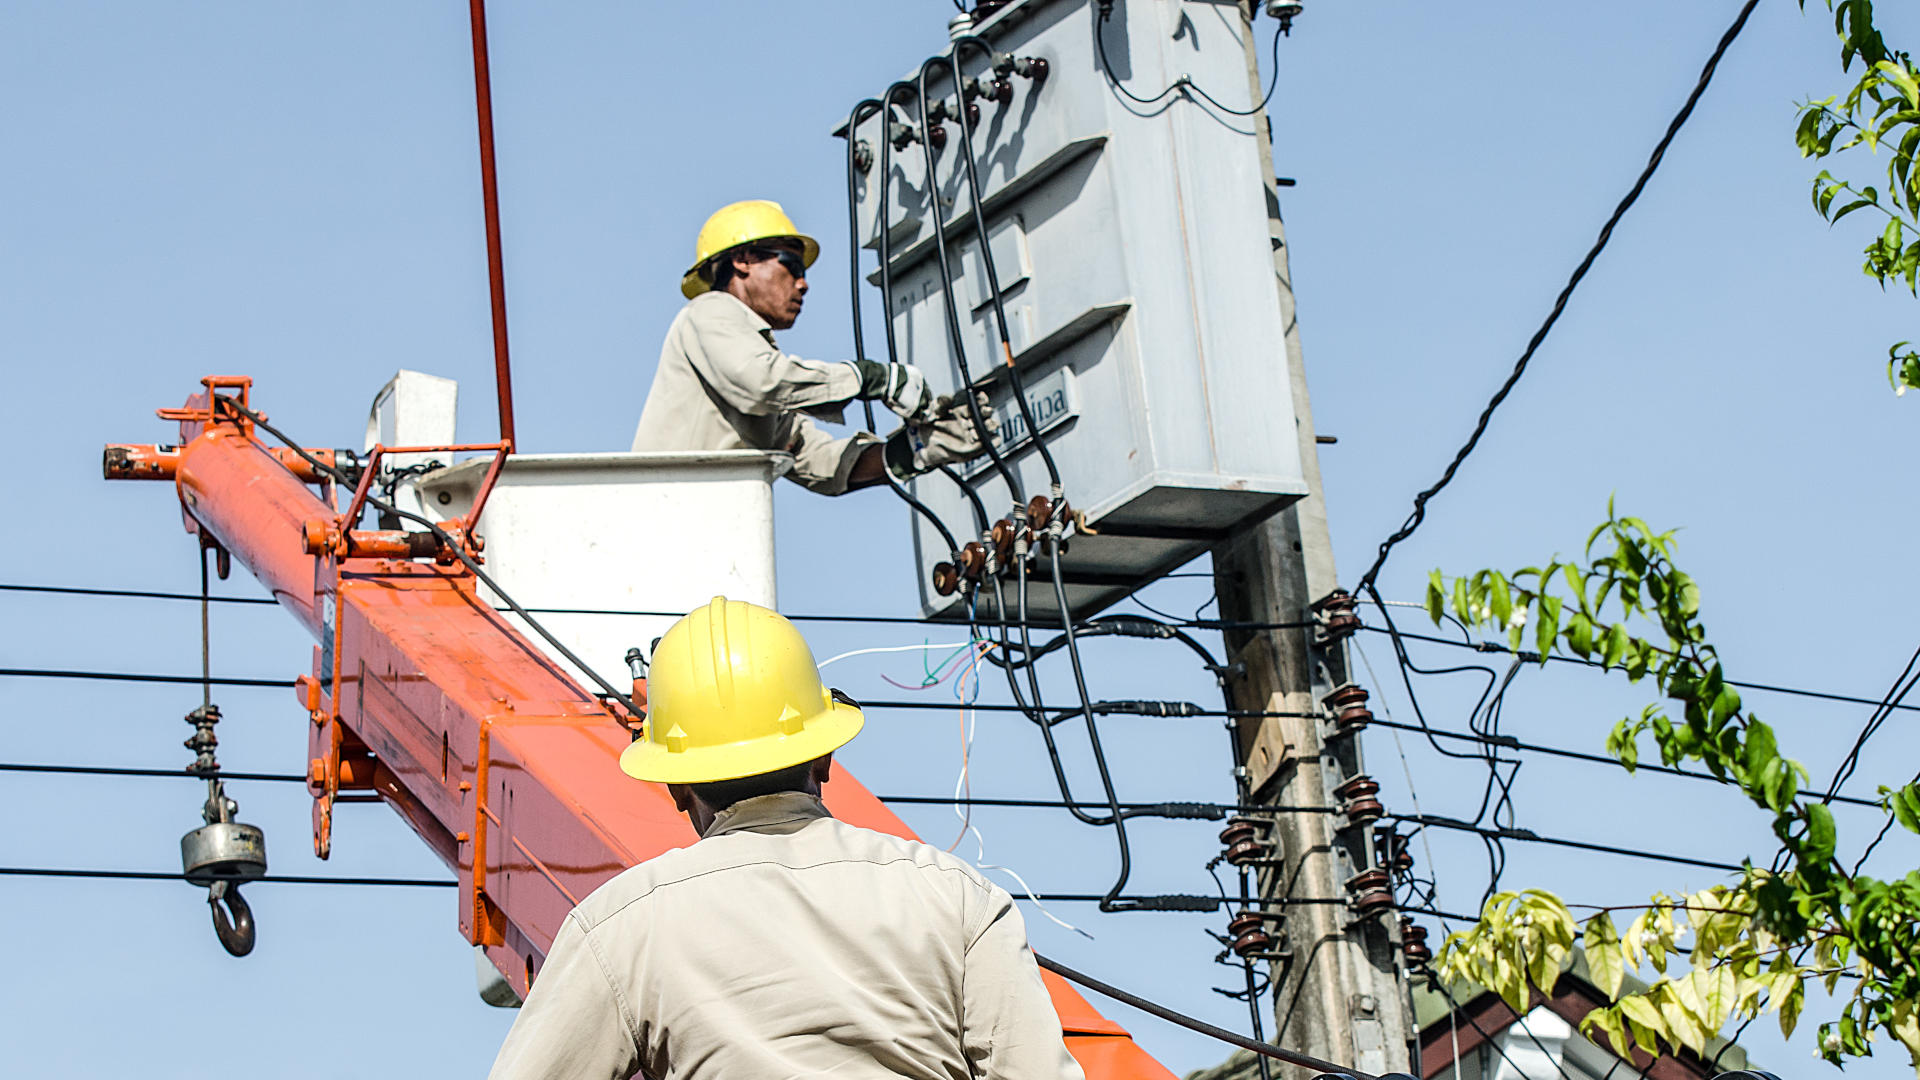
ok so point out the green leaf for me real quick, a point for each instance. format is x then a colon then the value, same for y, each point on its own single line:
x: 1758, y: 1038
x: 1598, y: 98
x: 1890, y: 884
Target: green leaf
x: 1905, y: 804
x: 1605, y: 959
x: 1580, y: 635
x: 1616, y: 645
x: 1818, y: 846
x: 1436, y: 597
x: 1499, y: 600
x: 1547, y: 626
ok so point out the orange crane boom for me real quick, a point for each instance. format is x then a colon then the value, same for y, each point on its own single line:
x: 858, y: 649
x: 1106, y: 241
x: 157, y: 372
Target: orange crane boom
x: 423, y: 694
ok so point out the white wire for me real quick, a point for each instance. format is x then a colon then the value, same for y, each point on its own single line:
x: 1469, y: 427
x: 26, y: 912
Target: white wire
x: 893, y: 649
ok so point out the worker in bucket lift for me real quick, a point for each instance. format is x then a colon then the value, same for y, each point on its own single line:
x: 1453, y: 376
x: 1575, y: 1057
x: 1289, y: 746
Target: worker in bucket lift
x: 723, y: 384
x: 783, y: 943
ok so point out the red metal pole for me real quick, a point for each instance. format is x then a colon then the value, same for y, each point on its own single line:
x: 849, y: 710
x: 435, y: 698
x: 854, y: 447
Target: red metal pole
x: 490, y: 198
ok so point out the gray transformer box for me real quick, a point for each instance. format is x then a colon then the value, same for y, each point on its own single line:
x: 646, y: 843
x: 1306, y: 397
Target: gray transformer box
x: 1135, y: 262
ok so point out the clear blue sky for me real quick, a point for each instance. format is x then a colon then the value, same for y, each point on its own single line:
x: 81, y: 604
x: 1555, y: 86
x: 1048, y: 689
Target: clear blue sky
x: 290, y: 191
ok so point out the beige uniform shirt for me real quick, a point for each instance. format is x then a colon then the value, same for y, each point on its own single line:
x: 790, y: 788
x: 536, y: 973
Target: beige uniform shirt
x: 723, y: 384
x: 789, y: 944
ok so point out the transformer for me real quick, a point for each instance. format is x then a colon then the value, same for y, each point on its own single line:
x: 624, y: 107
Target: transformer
x: 1133, y: 250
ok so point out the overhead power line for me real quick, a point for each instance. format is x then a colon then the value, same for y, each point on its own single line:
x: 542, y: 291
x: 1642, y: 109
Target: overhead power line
x: 1531, y: 837
x: 1496, y: 647
x: 1509, y: 743
x: 128, y: 676
x: 270, y: 879
x: 895, y: 620
x: 1420, y: 501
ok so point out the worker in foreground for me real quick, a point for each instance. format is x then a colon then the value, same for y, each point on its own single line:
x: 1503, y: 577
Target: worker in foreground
x: 784, y: 943
x: 723, y: 384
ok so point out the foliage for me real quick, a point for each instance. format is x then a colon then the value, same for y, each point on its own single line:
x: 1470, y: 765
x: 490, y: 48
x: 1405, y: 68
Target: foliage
x: 1755, y: 941
x: 1882, y: 110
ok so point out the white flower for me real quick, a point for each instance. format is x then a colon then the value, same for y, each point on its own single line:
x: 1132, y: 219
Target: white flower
x: 1831, y: 1042
x: 1900, y: 391
x: 1518, y: 619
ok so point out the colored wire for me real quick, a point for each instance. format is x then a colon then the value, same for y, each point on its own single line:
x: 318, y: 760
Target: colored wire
x: 1560, y: 303
x: 891, y: 649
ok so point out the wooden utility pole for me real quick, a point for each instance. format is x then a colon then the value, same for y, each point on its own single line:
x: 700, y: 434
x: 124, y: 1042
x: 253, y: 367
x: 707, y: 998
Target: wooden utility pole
x: 1342, y: 993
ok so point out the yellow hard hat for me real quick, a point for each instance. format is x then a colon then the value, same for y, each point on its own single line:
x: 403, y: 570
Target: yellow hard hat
x: 742, y: 223
x: 733, y: 691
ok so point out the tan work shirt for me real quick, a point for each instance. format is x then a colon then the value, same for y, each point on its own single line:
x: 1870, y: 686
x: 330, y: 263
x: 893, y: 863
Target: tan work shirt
x: 789, y: 944
x: 723, y: 384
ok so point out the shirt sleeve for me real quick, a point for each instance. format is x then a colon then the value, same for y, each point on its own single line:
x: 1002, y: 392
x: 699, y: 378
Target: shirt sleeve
x: 741, y: 365
x: 1009, y: 1027
x: 575, y: 1023
x: 822, y: 463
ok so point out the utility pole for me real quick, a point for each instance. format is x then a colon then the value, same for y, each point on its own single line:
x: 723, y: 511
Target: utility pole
x: 1342, y: 994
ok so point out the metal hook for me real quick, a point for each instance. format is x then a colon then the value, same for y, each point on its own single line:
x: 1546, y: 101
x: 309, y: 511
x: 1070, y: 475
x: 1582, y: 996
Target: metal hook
x: 236, y: 933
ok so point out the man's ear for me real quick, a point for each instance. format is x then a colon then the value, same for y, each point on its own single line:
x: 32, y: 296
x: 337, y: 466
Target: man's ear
x: 682, y: 797
x: 820, y: 770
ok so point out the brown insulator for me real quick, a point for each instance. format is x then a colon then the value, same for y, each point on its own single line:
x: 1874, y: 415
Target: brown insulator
x: 1373, y: 901
x: 1348, y: 704
x: 1248, y: 933
x: 1413, y: 944
x: 973, y: 560
x: 1370, y: 891
x: 937, y: 135
x: 1338, y: 617
x: 1358, y: 799
x: 946, y: 578
x: 1244, y: 843
x: 1039, y: 511
x: 1004, y: 534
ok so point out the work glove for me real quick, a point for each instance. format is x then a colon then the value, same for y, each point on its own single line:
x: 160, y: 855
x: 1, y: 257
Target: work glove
x: 900, y: 387
x: 944, y: 436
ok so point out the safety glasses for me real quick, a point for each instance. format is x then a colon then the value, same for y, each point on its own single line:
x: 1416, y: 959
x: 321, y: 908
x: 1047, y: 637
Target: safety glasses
x: 788, y: 258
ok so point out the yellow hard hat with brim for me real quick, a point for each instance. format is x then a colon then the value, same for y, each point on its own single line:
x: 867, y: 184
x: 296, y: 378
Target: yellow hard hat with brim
x: 734, y: 691
x: 742, y: 223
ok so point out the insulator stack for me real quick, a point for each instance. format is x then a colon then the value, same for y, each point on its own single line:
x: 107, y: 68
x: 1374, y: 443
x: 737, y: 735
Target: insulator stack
x: 1390, y: 851
x: 1370, y: 891
x: 1245, y: 842
x: 1249, y: 939
x: 1413, y: 944
x: 1359, y: 800
x: 1348, y: 704
x: 1337, y: 615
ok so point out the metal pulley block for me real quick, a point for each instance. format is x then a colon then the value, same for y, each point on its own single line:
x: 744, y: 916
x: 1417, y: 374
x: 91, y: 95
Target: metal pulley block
x: 224, y: 851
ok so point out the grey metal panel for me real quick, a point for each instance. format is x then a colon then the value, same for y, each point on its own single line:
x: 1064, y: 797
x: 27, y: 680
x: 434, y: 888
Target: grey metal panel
x: 1132, y: 249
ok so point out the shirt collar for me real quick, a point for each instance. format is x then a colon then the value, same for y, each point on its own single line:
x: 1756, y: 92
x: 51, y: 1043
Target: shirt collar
x: 759, y: 324
x: 766, y: 812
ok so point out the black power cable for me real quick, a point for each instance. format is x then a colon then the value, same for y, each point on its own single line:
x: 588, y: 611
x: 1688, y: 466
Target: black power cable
x: 1560, y: 303
x: 1183, y: 82
x: 977, y: 198
x: 860, y: 112
x: 1894, y: 696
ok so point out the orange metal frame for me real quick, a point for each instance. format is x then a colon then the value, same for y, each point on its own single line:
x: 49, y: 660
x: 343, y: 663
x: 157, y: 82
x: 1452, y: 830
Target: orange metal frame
x: 422, y: 693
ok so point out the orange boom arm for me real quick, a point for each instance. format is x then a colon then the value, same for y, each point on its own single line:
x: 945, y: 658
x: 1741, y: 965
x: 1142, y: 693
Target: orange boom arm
x: 422, y: 693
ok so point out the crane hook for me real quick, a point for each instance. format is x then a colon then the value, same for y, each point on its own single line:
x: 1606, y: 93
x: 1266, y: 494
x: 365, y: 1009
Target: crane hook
x: 236, y: 931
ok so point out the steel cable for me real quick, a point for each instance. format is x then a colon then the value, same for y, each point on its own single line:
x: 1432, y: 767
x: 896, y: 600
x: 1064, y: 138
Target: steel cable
x: 1560, y: 303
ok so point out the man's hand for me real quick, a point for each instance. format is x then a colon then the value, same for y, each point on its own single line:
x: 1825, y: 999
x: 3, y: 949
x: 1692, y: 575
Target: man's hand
x: 946, y: 435
x: 900, y: 387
